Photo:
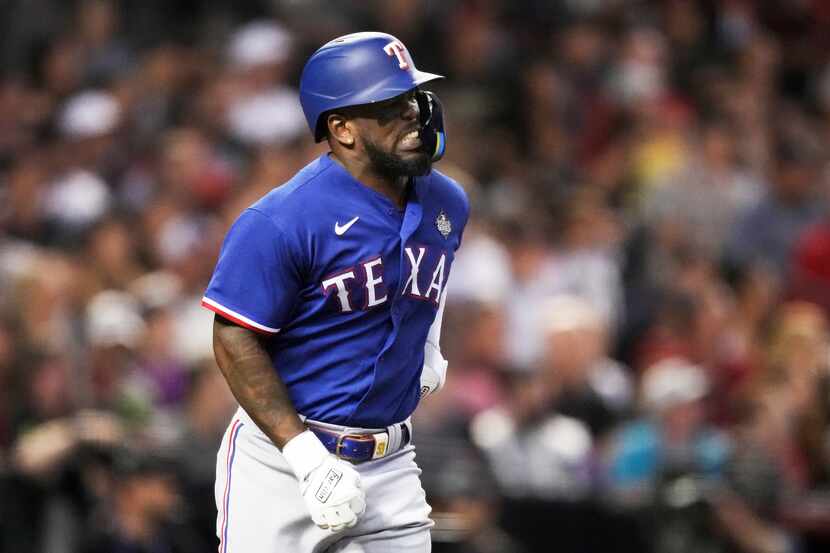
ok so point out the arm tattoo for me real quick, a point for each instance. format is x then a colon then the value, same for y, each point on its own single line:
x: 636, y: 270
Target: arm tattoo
x: 251, y: 377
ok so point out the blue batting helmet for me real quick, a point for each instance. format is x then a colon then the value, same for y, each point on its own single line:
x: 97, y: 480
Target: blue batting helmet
x: 356, y: 69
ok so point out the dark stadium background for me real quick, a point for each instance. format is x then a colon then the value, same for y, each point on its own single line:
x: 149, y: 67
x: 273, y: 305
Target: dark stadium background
x: 637, y: 323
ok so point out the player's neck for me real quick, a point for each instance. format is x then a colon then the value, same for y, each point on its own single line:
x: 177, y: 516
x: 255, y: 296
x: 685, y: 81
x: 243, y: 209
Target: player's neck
x: 393, y: 188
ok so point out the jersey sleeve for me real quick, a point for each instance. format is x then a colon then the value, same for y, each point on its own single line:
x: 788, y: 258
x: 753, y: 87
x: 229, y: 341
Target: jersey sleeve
x: 256, y: 281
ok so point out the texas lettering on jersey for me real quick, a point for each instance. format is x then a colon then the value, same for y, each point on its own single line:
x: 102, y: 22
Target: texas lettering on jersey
x: 345, y: 285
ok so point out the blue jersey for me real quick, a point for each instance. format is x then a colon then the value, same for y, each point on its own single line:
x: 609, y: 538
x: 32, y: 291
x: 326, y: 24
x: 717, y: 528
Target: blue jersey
x: 347, y: 285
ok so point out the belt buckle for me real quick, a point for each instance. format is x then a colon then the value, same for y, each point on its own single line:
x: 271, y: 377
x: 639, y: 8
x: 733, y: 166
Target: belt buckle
x: 338, y: 445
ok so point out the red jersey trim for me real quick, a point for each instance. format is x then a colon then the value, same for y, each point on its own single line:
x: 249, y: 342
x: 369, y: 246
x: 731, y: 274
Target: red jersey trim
x: 237, y: 318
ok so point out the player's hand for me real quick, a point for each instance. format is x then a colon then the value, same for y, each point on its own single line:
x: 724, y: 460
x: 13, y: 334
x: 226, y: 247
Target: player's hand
x: 434, y: 373
x: 330, y: 487
x: 334, y: 495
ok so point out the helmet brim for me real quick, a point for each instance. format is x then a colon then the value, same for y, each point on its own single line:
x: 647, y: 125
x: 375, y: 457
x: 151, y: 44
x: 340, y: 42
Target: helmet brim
x: 424, y: 77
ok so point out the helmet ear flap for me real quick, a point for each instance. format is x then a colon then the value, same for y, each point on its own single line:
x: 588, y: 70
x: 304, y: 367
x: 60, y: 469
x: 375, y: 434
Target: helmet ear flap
x: 432, y: 132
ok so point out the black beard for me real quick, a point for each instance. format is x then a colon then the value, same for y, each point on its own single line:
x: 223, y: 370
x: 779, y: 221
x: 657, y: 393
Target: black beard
x: 391, y: 166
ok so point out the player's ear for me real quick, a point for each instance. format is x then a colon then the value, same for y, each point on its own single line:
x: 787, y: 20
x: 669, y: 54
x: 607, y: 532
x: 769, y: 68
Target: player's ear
x: 340, y: 129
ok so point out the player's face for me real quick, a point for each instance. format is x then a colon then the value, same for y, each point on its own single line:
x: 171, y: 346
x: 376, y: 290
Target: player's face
x: 388, y: 131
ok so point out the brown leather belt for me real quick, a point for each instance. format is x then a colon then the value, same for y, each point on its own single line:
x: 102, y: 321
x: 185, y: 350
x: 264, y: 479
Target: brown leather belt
x: 362, y: 447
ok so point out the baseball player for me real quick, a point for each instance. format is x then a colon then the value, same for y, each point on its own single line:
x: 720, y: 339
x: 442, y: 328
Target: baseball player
x: 328, y: 294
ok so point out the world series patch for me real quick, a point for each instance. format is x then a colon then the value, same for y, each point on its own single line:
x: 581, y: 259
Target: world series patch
x: 442, y: 222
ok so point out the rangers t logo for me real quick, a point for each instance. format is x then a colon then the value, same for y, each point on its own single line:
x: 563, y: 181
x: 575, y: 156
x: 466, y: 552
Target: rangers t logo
x: 397, y: 49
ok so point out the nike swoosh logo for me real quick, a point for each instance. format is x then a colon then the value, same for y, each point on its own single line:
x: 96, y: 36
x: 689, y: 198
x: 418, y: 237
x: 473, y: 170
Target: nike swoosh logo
x: 340, y: 230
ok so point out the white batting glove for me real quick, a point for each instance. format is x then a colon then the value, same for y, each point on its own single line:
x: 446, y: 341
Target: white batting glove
x: 330, y: 486
x: 434, y: 373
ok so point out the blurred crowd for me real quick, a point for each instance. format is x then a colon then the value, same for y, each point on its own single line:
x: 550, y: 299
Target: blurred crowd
x: 637, y: 325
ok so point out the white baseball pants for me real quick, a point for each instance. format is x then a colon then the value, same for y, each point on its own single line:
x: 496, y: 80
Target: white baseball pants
x: 260, y: 509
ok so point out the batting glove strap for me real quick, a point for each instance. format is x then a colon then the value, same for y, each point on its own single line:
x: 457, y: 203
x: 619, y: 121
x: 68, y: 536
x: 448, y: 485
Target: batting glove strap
x: 304, y: 453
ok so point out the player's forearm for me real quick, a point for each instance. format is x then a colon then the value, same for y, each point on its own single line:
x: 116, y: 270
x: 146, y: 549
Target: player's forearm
x: 253, y: 381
